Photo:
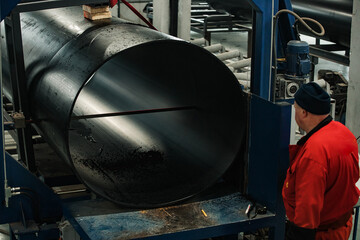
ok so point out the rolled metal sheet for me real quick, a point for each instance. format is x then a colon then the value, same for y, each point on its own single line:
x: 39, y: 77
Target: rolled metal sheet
x: 143, y: 118
x: 334, y: 15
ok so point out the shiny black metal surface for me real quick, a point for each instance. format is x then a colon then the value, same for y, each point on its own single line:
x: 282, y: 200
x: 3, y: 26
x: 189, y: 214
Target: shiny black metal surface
x: 77, y: 68
x: 240, y: 8
x: 334, y: 15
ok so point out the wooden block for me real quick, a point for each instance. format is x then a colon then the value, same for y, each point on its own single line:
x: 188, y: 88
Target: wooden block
x: 97, y: 16
x: 96, y: 12
x: 95, y: 9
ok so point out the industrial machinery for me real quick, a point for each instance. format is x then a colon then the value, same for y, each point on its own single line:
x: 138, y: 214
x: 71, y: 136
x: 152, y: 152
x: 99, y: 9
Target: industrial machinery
x: 334, y: 15
x: 130, y: 110
x: 297, y: 70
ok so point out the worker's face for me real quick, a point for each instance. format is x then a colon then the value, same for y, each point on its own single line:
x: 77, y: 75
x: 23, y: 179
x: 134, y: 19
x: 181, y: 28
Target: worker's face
x: 300, y: 115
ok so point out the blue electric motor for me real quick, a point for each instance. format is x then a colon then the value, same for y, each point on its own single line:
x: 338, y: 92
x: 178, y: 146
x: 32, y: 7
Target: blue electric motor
x: 298, y: 60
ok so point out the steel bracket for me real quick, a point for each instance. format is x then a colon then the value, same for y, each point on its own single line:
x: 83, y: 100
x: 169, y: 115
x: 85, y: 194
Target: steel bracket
x: 18, y: 119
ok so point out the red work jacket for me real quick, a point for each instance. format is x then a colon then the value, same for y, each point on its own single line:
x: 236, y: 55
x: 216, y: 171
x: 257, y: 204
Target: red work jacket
x: 320, y: 184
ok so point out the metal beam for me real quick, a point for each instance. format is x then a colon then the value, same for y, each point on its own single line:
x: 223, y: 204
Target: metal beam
x: 18, y: 81
x: 261, y: 73
x: 174, y: 9
x: 318, y: 51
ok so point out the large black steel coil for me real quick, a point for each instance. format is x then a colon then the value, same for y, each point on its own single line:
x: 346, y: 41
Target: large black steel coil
x: 144, y: 119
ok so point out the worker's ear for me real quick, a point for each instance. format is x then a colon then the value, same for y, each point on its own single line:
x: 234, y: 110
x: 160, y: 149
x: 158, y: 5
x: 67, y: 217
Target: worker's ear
x: 304, y: 113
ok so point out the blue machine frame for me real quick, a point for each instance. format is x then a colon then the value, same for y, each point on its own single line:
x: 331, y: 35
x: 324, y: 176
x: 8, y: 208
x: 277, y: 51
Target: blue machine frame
x: 262, y: 73
x: 268, y: 139
x: 6, y: 6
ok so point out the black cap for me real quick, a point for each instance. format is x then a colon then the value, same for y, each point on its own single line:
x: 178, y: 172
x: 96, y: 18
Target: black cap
x: 313, y: 98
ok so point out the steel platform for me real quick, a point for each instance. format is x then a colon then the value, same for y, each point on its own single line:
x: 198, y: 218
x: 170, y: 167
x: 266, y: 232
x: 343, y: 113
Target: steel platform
x: 100, y: 219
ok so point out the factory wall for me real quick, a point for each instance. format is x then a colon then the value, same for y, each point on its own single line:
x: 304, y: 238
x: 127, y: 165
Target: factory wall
x: 353, y: 101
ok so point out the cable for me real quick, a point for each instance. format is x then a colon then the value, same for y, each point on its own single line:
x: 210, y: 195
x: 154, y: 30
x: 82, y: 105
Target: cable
x: 138, y: 14
x: 300, y: 19
x: 34, y: 203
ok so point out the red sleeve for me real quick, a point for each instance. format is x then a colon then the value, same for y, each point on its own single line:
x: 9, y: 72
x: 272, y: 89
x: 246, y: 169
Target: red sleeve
x: 309, y: 193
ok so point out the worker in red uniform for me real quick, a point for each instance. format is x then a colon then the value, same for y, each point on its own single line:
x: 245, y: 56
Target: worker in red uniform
x: 319, y: 191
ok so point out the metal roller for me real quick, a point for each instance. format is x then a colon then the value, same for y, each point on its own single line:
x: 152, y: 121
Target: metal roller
x: 144, y: 119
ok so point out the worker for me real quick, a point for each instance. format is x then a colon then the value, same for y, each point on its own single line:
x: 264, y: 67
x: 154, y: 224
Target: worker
x: 319, y: 191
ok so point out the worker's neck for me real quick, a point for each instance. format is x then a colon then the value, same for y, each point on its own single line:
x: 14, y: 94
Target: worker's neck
x: 314, y: 121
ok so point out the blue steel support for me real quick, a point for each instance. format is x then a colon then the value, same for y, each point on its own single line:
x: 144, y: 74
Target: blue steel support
x: 6, y: 6
x: 262, y: 45
x: 262, y: 73
x: 268, y: 156
x: 269, y: 132
x: 283, y: 164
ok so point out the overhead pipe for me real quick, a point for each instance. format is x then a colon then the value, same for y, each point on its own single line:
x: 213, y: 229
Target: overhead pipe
x: 130, y: 109
x: 334, y: 15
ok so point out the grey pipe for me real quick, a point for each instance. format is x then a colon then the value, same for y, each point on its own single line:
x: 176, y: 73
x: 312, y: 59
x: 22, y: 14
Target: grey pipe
x: 240, y: 64
x: 215, y: 48
x: 243, y: 76
x: 228, y: 55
